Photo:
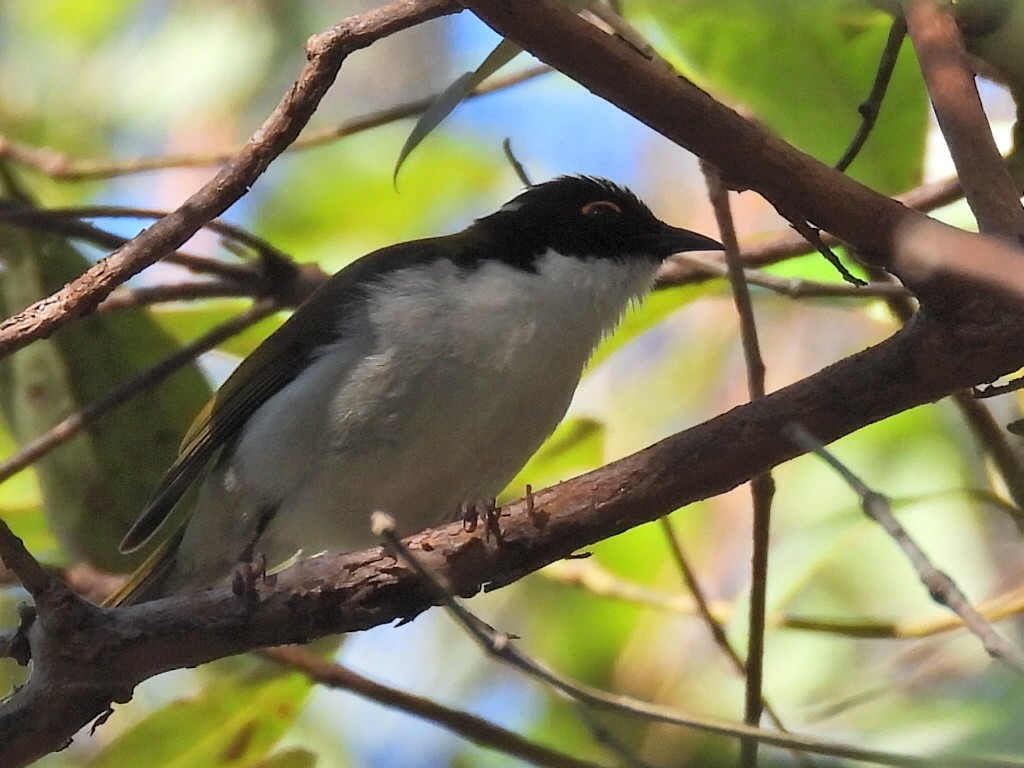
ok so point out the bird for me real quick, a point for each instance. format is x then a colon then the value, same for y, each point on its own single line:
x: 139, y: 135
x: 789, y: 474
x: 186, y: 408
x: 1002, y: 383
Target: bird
x: 420, y: 377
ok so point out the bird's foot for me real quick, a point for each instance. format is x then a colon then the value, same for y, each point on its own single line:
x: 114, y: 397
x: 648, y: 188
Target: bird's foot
x: 245, y: 576
x: 485, y: 511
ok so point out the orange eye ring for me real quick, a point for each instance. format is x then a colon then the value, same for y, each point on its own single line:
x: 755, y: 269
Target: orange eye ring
x: 600, y: 206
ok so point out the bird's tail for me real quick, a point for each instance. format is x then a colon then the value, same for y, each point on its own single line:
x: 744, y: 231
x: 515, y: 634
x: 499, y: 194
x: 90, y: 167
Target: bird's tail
x: 147, y: 581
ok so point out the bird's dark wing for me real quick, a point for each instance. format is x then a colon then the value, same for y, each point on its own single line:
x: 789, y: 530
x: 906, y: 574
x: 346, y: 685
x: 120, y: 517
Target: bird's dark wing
x: 272, y: 366
x: 145, y: 581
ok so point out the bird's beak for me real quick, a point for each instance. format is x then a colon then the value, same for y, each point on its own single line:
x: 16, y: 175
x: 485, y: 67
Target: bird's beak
x: 672, y: 240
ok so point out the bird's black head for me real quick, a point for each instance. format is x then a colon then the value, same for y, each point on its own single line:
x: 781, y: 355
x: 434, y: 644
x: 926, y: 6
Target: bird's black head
x: 585, y: 217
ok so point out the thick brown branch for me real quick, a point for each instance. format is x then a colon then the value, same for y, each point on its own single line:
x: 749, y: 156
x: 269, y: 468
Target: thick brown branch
x: 325, y: 53
x: 988, y: 186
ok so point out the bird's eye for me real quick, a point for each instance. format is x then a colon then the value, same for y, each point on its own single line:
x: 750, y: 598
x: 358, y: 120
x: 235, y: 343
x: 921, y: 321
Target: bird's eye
x: 600, y: 208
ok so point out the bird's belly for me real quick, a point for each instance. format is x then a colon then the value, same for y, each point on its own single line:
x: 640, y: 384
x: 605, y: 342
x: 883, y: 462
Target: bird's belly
x: 413, y: 447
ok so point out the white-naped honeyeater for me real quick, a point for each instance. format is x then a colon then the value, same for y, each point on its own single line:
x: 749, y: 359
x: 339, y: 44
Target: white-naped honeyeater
x: 418, y: 378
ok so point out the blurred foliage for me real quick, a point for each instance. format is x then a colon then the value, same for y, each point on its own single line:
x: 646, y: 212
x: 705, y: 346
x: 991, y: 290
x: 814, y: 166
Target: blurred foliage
x: 121, y: 78
x: 94, y: 484
x: 239, y: 724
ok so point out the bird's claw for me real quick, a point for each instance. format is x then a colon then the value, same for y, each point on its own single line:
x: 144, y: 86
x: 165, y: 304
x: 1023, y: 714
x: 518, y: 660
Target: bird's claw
x: 244, y: 577
x: 482, y: 510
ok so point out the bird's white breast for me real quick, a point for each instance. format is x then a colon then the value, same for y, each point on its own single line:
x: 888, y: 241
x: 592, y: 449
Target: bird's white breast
x: 438, y: 393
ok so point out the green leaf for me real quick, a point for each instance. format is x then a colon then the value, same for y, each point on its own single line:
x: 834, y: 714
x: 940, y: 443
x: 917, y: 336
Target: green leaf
x: 803, y: 69
x: 454, y: 95
x: 229, y: 725
x: 462, y: 86
x: 93, y: 485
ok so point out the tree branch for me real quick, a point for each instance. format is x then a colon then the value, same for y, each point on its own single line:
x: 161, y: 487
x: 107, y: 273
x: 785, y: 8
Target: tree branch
x: 84, y: 658
x: 988, y: 186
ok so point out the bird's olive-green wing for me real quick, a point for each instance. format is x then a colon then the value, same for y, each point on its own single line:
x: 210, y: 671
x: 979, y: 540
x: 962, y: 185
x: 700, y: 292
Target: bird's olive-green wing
x: 274, y: 364
x: 269, y: 368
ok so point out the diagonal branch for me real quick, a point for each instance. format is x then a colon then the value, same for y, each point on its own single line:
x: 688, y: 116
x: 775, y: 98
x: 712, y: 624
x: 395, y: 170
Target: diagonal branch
x: 988, y: 186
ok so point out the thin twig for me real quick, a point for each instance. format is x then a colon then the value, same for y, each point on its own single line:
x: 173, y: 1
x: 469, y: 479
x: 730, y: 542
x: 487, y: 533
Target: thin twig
x: 762, y: 486
x: 995, y: 441
x: 813, y: 236
x: 469, y: 727
x: 61, y: 166
x: 262, y: 247
x: 76, y: 422
x: 588, y: 575
x: 701, y: 604
x: 76, y: 229
x: 793, y: 287
x: 33, y: 577
x: 127, y: 298
x: 940, y: 586
x: 277, y: 273
x: 872, y: 105
x: 704, y: 610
